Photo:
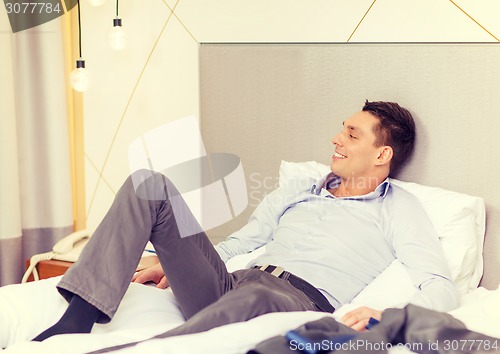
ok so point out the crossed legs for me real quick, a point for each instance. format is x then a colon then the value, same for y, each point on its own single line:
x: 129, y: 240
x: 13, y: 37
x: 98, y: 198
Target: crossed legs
x: 142, y: 211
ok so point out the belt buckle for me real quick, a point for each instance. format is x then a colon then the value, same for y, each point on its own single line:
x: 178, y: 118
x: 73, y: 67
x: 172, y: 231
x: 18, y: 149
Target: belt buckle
x: 276, y: 272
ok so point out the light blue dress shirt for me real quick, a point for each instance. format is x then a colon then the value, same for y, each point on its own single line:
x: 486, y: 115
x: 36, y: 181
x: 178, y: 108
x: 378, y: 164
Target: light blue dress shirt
x: 340, y: 245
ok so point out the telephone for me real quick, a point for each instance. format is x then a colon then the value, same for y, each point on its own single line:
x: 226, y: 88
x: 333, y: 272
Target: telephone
x: 70, y: 247
x: 67, y: 249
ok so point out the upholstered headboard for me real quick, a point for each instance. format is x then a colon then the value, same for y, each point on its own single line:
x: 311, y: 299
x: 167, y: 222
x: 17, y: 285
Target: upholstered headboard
x: 273, y: 102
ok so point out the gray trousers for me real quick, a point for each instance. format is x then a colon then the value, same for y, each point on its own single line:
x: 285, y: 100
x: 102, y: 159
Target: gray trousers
x: 208, y: 295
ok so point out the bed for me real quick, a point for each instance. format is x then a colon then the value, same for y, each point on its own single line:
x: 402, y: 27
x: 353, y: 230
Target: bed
x: 146, y: 310
x: 245, y: 87
x: 138, y: 319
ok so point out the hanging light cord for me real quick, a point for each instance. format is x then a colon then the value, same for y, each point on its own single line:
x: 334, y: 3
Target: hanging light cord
x: 116, y: 8
x: 79, y: 30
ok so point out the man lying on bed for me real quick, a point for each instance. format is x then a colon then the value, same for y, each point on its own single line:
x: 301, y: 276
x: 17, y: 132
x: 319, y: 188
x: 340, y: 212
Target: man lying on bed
x: 325, y: 242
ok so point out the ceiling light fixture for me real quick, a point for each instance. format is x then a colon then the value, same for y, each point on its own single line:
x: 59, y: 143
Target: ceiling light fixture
x: 80, y: 77
x: 117, y: 38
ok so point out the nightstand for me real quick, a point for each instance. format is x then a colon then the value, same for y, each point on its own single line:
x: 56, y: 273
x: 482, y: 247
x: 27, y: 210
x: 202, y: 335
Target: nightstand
x: 50, y: 268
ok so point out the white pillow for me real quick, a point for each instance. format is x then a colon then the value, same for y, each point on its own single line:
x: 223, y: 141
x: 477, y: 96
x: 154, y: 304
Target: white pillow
x: 384, y: 292
x: 460, y: 221
x: 241, y: 261
x: 458, y: 218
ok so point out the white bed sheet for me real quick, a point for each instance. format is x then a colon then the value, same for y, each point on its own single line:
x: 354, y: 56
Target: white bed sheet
x: 25, y: 310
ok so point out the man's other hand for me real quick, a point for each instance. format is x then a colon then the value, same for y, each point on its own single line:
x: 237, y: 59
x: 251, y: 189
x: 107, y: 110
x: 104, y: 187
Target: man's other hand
x: 358, y: 319
x: 153, y: 274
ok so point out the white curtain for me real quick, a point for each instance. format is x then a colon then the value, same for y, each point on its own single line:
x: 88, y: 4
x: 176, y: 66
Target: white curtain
x: 36, y: 206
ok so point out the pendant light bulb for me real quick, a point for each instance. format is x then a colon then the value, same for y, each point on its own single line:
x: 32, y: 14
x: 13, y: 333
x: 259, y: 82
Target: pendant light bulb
x: 117, y: 38
x: 80, y: 78
x: 96, y: 2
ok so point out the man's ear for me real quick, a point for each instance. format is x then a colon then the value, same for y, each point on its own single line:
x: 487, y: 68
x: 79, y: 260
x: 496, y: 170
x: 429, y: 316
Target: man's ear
x: 385, y: 155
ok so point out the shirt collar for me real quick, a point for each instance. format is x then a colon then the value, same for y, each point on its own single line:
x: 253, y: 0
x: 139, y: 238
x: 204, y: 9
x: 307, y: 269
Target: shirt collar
x: 331, y: 181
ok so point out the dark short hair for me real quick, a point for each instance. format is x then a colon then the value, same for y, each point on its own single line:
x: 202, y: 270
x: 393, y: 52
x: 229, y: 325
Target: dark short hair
x: 396, y: 129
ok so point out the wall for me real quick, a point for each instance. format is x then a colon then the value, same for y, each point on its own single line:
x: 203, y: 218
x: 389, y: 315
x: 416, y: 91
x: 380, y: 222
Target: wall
x: 155, y: 79
x: 301, y: 94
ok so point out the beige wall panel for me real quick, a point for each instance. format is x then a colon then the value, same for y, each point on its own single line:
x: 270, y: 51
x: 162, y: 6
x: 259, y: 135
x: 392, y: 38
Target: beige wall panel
x: 484, y: 12
x: 101, y: 203
x: 171, y: 3
x: 418, y: 21
x: 271, y: 21
x: 167, y: 90
x: 91, y: 179
x: 115, y: 73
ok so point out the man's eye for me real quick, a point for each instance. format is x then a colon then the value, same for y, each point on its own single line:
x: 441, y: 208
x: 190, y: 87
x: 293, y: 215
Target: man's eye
x: 352, y: 136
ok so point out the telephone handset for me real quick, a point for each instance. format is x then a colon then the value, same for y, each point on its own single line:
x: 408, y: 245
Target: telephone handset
x: 67, y: 249
x: 70, y: 247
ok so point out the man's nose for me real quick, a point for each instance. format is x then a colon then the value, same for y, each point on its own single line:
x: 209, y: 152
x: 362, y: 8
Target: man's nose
x: 337, y: 139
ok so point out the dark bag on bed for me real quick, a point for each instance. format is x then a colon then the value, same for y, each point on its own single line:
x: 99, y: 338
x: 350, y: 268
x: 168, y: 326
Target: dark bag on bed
x: 413, y: 327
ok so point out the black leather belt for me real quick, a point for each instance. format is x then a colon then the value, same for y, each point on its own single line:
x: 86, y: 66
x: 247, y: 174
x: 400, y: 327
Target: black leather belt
x: 309, y: 290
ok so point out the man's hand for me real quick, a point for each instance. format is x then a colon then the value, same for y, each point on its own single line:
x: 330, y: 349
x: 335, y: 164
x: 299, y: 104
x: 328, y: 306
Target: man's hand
x: 358, y: 319
x: 154, y: 273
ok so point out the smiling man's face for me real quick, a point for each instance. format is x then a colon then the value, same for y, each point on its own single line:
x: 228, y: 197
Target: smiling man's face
x: 355, y: 151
